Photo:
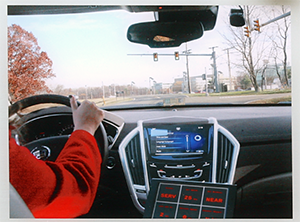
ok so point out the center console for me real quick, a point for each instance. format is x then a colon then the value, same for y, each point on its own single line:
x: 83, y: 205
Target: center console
x: 178, y: 150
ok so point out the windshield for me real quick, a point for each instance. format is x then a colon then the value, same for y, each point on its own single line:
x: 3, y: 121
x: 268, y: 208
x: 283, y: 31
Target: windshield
x: 89, y: 55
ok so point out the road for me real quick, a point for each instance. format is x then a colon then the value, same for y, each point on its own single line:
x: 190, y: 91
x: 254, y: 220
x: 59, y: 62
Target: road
x: 179, y: 99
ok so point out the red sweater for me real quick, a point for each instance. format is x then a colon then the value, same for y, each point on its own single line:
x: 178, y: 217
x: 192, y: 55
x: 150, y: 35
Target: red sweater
x: 65, y: 188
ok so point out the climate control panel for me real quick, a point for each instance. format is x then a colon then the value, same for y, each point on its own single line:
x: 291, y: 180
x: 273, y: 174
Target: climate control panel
x: 195, y: 171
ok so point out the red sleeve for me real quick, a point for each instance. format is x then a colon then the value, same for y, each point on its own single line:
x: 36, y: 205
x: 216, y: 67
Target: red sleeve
x: 65, y: 188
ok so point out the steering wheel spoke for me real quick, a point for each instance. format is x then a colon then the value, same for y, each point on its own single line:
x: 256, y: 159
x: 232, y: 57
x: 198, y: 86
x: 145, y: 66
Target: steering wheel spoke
x: 47, y: 148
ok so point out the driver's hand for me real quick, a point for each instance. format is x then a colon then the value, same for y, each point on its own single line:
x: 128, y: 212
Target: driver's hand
x: 87, y: 116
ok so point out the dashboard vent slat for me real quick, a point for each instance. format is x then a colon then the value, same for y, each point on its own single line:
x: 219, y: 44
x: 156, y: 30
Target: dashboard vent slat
x: 134, y: 160
x: 224, y: 158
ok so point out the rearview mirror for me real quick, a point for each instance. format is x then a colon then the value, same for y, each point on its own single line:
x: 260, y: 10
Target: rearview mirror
x: 237, y: 17
x: 164, y: 34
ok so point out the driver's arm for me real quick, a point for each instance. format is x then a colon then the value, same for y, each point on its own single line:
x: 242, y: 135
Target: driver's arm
x: 67, y: 187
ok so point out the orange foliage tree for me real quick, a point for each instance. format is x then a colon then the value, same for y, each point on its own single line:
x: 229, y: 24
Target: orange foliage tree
x: 28, y: 67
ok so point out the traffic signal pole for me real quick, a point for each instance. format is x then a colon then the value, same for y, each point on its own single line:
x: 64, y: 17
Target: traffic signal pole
x: 257, y: 25
x: 275, y: 19
x: 187, y: 54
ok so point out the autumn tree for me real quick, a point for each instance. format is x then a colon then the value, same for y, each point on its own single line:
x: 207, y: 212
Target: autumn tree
x: 28, y: 66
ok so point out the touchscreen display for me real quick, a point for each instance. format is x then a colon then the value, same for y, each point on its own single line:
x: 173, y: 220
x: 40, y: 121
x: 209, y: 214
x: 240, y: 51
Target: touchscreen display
x: 178, y: 139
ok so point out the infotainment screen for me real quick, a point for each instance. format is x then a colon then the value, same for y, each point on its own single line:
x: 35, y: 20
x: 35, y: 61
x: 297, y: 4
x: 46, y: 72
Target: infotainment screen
x: 182, y: 139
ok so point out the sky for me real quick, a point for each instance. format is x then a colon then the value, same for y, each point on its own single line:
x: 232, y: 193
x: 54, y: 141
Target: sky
x: 94, y: 45
x: 91, y: 49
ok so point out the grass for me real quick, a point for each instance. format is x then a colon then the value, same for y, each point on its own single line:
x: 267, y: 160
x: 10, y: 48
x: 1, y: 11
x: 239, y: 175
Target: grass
x: 273, y: 101
x: 240, y: 93
x: 108, y: 101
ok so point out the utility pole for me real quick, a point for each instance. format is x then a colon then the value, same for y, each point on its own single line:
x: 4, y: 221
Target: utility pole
x: 150, y: 88
x: 206, y: 85
x: 229, y: 69
x: 215, y: 68
x: 187, y: 52
x: 132, y: 88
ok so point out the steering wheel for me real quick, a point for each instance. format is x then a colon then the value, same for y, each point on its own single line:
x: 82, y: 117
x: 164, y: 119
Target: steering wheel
x: 55, y: 144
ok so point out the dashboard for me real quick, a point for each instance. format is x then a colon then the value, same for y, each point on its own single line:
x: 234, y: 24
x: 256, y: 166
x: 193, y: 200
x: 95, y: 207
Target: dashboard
x: 245, y: 146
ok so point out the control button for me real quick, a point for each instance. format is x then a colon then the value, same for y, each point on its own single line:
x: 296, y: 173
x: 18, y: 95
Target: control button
x: 164, y: 210
x: 191, y: 195
x: 153, y: 165
x: 206, y: 164
x: 188, y: 212
x: 161, y: 173
x: 197, y: 137
x: 215, y: 197
x: 140, y: 191
x: 110, y: 139
x: 210, y: 212
x: 111, y: 162
x: 198, y: 173
x: 179, y: 166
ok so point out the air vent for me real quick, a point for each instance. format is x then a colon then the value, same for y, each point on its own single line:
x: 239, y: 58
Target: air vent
x: 134, y: 160
x: 224, y: 158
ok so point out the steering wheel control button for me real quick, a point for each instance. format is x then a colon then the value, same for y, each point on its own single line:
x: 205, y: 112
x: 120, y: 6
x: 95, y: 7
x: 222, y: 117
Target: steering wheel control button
x: 41, y: 152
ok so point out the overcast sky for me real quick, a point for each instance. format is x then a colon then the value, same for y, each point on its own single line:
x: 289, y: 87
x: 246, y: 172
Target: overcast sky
x: 91, y: 48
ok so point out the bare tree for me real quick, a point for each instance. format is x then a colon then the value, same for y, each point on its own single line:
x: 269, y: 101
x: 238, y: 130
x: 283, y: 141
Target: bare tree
x: 59, y: 89
x: 280, y: 41
x: 252, y: 49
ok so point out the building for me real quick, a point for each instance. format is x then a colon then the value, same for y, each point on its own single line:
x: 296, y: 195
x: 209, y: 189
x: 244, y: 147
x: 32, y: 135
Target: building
x: 162, y: 88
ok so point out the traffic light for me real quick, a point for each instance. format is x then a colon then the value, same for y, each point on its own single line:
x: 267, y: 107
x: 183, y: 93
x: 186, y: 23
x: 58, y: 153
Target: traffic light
x: 155, y: 57
x: 203, y: 76
x: 257, y: 25
x: 176, y: 55
x: 247, y: 31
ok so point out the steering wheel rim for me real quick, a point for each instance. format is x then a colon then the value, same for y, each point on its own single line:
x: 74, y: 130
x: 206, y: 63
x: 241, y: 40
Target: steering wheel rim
x: 59, y: 99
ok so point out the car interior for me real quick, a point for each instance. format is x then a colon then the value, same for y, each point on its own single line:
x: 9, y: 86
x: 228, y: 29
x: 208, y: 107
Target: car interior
x: 170, y: 158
